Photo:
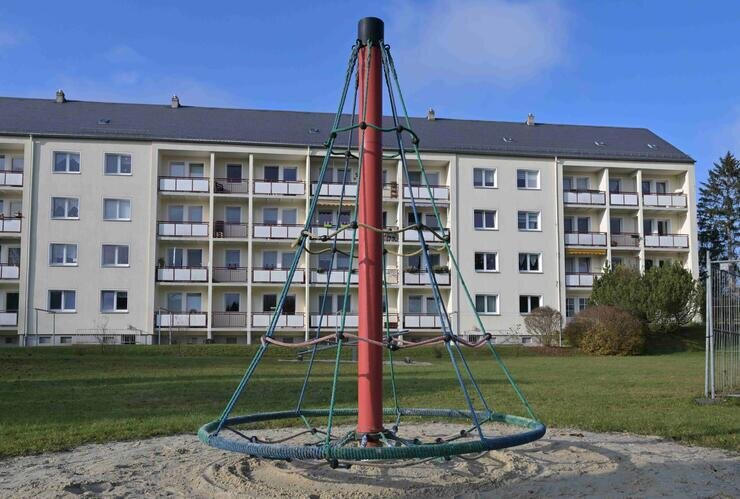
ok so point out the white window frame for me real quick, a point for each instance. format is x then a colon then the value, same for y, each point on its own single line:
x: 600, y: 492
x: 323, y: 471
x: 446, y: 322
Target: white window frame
x: 116, y: 253
x: 527, y: 213
x: 66, y: 171
x: 63, y: 300
x: 528, y: 271
x: 66, y: 208
x: 485, y: 269
x: 529, y: 303
x: 483, y: 171
x: 65, y: 251
x: 114, y: 310
x: 118, y: 210
x: 495, y: 219
x: 118, y: 172
x: 526, y: 186
x: 486, y: 297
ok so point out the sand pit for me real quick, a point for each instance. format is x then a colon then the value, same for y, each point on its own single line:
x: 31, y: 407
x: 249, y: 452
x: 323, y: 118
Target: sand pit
x: 563, y: 463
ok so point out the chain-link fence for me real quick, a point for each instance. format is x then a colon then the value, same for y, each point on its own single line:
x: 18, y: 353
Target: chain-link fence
x: 722, y: 371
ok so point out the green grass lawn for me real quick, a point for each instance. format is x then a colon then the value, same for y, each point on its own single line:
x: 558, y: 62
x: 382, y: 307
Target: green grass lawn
x: 56, y: 398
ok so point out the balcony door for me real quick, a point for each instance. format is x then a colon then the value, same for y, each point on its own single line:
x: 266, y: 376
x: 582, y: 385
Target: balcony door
x: 272, y: 173
x: 232, y: 258
x: 231, y: 302
x: 194, y: 302
x: 14, y: 256
x: 233, y: 214
x: 270, y: 216
x: 11, y: 302
x: 584, y: 225
x: 234, y: 173
x: 194, y: 257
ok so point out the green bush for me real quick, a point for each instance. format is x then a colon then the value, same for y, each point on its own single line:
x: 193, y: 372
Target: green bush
x: 621, y: 287
x: 606, y: 330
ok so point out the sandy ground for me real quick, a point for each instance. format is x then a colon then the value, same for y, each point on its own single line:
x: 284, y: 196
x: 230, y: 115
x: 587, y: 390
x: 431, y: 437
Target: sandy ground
x: 564, y: 463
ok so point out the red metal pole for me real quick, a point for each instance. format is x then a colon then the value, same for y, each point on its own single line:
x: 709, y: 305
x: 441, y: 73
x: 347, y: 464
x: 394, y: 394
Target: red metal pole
x: 370, y: 357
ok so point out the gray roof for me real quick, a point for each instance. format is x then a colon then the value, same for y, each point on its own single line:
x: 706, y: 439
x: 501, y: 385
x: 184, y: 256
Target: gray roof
x: 42, y: 117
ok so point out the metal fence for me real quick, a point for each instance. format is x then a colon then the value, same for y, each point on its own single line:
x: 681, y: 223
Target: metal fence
x: 722, y: 370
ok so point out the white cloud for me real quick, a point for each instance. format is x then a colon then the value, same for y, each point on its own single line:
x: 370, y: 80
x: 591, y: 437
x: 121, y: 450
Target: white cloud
x: 495, y: 41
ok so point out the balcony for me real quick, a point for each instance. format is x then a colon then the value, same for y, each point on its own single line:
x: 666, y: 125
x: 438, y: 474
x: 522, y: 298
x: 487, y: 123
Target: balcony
x: 334, y: 320
x: 279, y: 188
x: 229, y: 319
x: 624, y: 199
x: 585, y: 238
x: 336, y: 276
x: 230, y: 274
x: 183, y: 184
x: 422, y: 278
x: 276, y: 231
x: 262, y: 320
x: 625, y: 240
x: 422, y: 321
x: 10, y: 224
x: 584, y: 197
x: 677, y: 200
x: 180, y: 319
x: 325, y: 230
x: 10, y: 178
x: 421, y: 192
x: 168, y: 228
x: 230, y: 230
x: 413, y: 235
x: 9, y: 271
x: 230, y: 186
x: 277, y: 276
x: 667, y: 241
x: 335, y: 189
x: 8, y: 318
x: 182, y: 274
x: 580, y: 279
x: 390, y: 190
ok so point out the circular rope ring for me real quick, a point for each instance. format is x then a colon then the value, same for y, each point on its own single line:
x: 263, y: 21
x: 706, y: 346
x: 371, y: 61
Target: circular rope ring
x: 531, y: 431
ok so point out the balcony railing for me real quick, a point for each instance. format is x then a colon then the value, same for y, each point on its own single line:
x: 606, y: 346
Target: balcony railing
x: 181, y: 319
x: 337, y: 276
x: 585, y: 238
x: 421, y: 192
x: 390, y: 190
x: 413, y: 235
x: 230, y: 186
x: 422, y: 321
x: 268, y: 275
x: 182, y: 274
x: 677, y: 200
x: 421, y: 278
x: 334, y: 189
x: 276, y: 231
x: 8, y: 318
x: 229, y: 319
x: 584, y: 197
x: 666, y: 241
x: 228, y: 230
x: 230, y: 274
x: 325, y: 230
x: 580, y: 279
x: 11, y: 178
x: 279, y: 188
x: 10, y: 223
x: 334, y: 320
x: 182, y: 229
x: 262, y: 320
x: 391, y: 275
x: 183, y: 184
x: 10, y: 271
x: 625, y: 240
x: 623, y: 198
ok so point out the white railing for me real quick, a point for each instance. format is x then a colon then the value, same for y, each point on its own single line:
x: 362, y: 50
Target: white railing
x: 182, y: 229
x: 666, y: 241
x: 181, y: 319
x: 9, y: 271
x: 10, y: 224
x: 421, y: 193
x: 335, y: 320
x: 429, y: 237
x: 280, y: 231
x: 421, y: 278
x: 322, y: 230
x: 276, y: 275
x: 580, y: 279
x: 262, y: 320
x: 332, y: 189
x: 182, y: 274
x: 588, y: 197
x: 279, y: 188
x: 11, y: 178
x: 8, y: 318
x: 336, y: 277
x: 664, y: 200
x: 623, y: 198
x: 183, y: 184
x: 422, y: 321
x: 585, y: 238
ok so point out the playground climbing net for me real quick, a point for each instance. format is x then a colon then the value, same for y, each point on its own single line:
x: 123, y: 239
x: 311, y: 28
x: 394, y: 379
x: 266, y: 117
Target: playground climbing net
x: 481, y: 425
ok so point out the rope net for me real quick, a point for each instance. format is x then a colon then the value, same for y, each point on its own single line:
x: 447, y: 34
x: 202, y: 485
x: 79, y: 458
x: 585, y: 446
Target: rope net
x: 314, y: 442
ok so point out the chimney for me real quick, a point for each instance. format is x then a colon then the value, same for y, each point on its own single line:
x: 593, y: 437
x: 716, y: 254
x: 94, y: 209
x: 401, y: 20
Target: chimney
x: 175, y: 102
x: 430, y: 114
x: 60, y: 99
x: 530, y: 119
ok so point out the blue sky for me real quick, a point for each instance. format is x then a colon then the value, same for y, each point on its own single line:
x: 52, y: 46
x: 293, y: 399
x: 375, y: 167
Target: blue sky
x: 670, y: 66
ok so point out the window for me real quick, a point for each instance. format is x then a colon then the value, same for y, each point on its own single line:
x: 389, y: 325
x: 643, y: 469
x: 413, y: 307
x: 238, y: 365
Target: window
x: 66, y: 162
x: 661, y: 187
x: 174, y: 302
x: 486, y: 262
x: 290, y: 216
x: 570, y: 307
x: 415, y: 304
x: 114, y: 301
x: 128, y: 339
x: 290, y: 174
x: 16, y: 164
x: 615, y: 185
x: 115, y: 255
x: 62, y: 301
x: 14, y: 256
x: 529, y: 262
x: 581, y: 225
x: 527, y: 303
x: 177, y: 169
x: 484, y: 177
x: 118, y: 164
x: 44, y: 340
x: 486, y: 304
x: 583, y: 183
x: 234, y: 173
x: 646, y: 187
x: 232, y: 258
x: 615, y: 225
x: 582, y: 304
x: 231, y: 302
x: 269, y: 302
x: 65, y: 340
x: 197, y: 170
x: 616, y: 261
x: 62, y: 254
x: 65, y: 208
x: 117, y: 209
x: 528, y: 220
x: 193, y: 302
x: 484, y: 219
x: 272, y: 173
x: 269, y: 260
x: 270, y: 216
x: 528, y: 179
x: 11, y: 301
x: 233, y: 214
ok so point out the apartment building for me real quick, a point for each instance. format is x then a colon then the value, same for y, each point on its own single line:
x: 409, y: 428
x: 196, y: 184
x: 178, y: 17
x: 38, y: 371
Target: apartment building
x: 144, y: 223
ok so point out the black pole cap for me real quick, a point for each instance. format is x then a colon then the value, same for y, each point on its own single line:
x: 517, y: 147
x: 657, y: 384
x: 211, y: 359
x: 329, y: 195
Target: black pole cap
x: 370, y: 29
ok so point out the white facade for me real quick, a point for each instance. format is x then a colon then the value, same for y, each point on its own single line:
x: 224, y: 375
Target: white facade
x: 198, y: 237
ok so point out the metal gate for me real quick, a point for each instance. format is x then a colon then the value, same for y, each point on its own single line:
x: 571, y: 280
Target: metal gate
x: 722, y: 371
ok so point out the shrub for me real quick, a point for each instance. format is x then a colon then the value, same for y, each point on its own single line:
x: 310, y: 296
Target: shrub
x: 674, y: 297
x: 606, y: 330
x: 544, y: 324
x: 621, y: 287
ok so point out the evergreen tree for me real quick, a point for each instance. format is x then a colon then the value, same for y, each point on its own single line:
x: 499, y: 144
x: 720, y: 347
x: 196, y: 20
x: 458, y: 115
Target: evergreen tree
x: 718, y: 212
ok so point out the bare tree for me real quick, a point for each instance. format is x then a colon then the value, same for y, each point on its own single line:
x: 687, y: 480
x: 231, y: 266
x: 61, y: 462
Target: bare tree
x: 544, y: 323
x: 101, y: 326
